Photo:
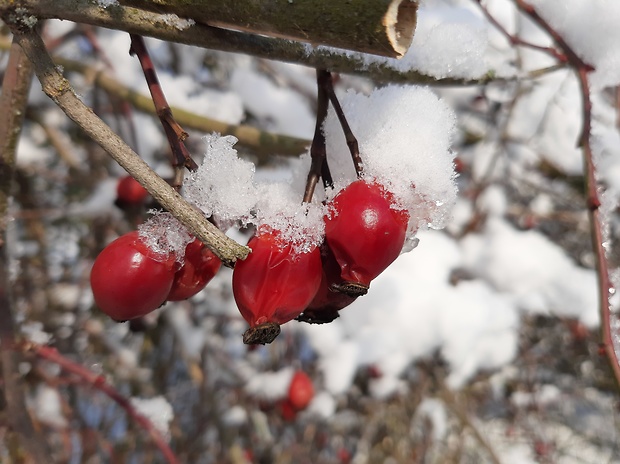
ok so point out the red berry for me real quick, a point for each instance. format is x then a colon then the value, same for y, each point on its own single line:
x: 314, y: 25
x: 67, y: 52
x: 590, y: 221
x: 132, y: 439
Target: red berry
x: 199, y: 267
x: 300, y: 391
x: 365, y: 233
x: 274, y: 284
x: 129, y: 280
x: 130, y: 192
x: 327, y: 302
x: 289, y: 413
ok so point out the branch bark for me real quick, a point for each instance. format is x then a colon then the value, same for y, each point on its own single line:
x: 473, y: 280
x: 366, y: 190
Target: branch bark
x: 59, y: 90
x: 13, y: 100
x: 380, y: 27
x: 136, y: 21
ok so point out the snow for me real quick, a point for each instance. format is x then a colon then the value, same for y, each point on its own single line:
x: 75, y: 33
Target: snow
x: 175, y: 21
x: 34, y: 332
x: 534, y: 270
x: 435, y: 411
x: 158, y: 410
x: 590, y: 28
x: 270, y: 386
x: 165, y: 235
x: 449, y: 41
x: 46, y: 404
x: 223, y: 186
x: 287, y: 111
x: 322, y: 405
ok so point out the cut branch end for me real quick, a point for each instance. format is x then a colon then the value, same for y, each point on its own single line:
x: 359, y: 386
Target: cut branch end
x: 400, y: 22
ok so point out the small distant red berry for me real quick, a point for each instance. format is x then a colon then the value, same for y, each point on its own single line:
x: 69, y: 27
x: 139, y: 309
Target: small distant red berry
x: 300, y: 391
x: 129, y: 191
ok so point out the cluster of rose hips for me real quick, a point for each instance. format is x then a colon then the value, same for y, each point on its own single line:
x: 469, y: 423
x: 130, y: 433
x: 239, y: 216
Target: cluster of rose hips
x: 130, y: 280
x: 364, y: 233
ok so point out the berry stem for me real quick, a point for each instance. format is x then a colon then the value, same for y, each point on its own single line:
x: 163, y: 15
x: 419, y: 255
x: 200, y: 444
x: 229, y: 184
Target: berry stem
x: 346, y: 129
x: 174, y: 132
x: 318, y: 151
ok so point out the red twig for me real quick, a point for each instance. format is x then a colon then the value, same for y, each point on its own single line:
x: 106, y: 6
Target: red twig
x: 174, y: 132
x: 99, y: 382
x: 582, y: 69
x: 515, y: 40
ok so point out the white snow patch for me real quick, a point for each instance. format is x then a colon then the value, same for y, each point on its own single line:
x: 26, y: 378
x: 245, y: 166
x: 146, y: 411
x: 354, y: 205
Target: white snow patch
x: 158, y: 410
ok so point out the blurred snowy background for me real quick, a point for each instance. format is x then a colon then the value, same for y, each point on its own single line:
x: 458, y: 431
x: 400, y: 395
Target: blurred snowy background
x: 479, y: 345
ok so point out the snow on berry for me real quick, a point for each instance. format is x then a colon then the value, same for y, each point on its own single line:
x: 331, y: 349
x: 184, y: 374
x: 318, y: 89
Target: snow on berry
x: 404, y: 136
x: 165, y: 235
x: 223, y: 186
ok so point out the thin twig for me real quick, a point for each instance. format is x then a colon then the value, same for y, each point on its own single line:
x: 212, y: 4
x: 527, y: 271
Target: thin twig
x: 98, y: 382
x: 516, y: 40
x: 582, y: 69
x: 59, y: 90
x: 346, y: 129
x: 456, y: 406
x: 15, y: 87
x: 174, y: 132
x: 318, y: 153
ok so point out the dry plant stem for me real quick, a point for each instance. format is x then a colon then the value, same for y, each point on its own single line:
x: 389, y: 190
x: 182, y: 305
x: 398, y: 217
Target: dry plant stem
x: 264, y: 144
x: 60, y: 91
x: 15, y: 87
x: 453, y: 403
x: 145, y: 23
x: 348, y: 133
x: 174, y: 132
x: 98, y: 382
x: 381, y: 27
x: 602, y: 269
x: 318, y: 151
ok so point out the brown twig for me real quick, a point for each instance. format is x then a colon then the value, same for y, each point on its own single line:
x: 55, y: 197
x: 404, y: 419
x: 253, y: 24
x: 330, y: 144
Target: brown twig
x: 98, y: 382
x: 174, y: 132
x: 59, y: 90
x: 582, y: 69
x: 15, y: 87
x: 346, y: 129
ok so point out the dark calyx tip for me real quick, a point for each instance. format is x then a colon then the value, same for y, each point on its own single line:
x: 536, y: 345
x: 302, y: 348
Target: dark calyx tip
x: 353, y: 289
x: 323, y: 315
x: 261, y: 334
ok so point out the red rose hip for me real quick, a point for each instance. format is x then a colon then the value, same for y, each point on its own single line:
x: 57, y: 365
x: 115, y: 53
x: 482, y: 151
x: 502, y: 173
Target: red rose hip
x: 365, y: 233
x: 199, y: 268
x: 274, y: 284
x: 130, y: 280
x: 300, y: 391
